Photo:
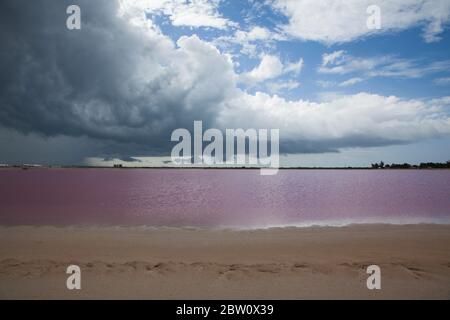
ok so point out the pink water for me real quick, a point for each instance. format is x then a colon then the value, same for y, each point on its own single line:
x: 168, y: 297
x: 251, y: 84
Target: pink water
x: 222, y: 198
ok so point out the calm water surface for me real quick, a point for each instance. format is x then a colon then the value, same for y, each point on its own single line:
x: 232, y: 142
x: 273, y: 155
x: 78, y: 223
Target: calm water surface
x: 222, y: 198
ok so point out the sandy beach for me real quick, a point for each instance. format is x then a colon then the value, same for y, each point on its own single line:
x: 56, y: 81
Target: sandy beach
x: 279, y: 263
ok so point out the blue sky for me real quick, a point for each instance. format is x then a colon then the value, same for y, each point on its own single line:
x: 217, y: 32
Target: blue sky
x: 407, y: 44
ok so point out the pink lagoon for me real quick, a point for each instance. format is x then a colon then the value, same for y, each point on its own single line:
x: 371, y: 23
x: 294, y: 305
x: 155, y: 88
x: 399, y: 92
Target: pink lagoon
x: 222, y: 198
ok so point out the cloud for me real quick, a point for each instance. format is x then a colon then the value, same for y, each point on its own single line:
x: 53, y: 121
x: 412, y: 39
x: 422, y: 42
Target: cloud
x: 35, y: 148
x: 251, y: 42
x: 335, y: 57
x: 361, y: 120
x: 182, y: 13
x: 442, y: 81
x: 294, y: 67
x: 281, y: 86
x: 121, y: 86
x: 351, y: 82
x: 402, y: 68
x: 269, y: 68
x: 255, y: 34
x: 342, y: 21
x: 111, y: 80
x: 325, y: 83
x: 341, y: 63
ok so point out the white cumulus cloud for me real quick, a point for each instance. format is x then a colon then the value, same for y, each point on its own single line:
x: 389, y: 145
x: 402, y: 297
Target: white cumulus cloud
x: 269, y: 68
x: 338, y: 21
x: 182, y: 13
x: 345, y: 121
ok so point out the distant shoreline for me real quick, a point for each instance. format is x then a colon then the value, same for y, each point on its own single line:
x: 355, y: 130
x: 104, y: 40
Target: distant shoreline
x: 234, y: 229
x: 214, y: 168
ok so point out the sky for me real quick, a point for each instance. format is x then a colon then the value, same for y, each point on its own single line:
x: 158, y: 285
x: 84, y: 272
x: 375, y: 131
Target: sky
x: 341, y: 93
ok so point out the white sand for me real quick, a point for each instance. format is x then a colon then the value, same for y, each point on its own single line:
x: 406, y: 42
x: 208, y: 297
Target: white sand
x: 285, y: 263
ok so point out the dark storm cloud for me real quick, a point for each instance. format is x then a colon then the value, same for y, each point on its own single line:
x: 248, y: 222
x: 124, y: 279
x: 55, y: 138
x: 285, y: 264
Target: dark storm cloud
x: 108, y: 81
x: 17, y: 148
x: 334, y: 145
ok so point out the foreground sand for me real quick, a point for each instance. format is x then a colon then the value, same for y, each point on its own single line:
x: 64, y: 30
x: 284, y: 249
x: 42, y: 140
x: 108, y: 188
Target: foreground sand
x: 286, y: 263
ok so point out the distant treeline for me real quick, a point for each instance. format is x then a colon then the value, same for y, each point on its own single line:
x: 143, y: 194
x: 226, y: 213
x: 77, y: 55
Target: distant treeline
x: 427, y: 165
